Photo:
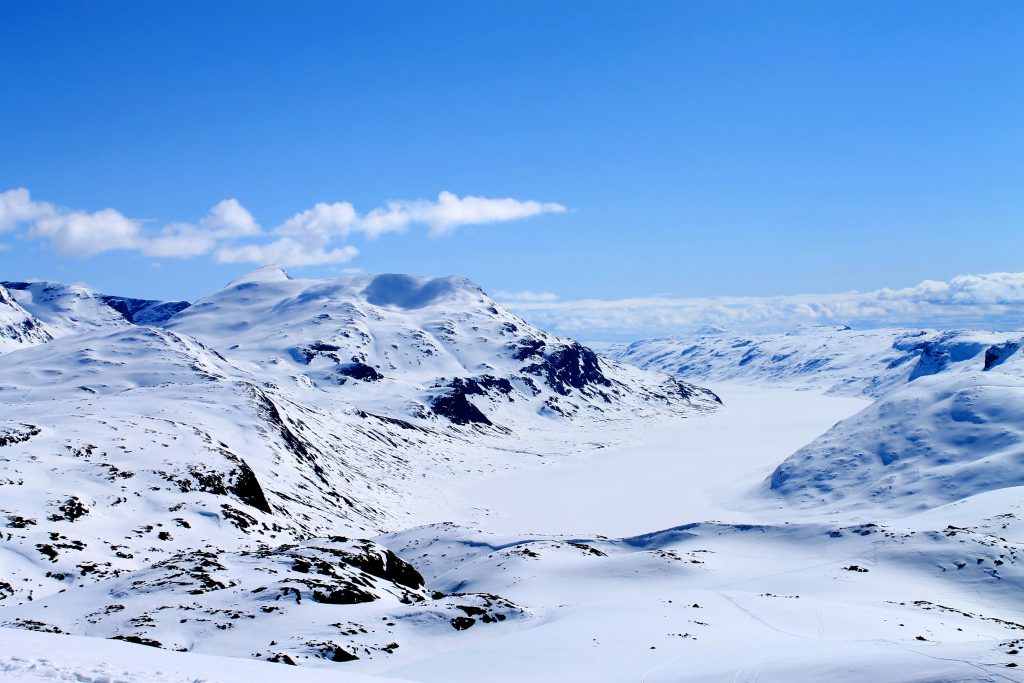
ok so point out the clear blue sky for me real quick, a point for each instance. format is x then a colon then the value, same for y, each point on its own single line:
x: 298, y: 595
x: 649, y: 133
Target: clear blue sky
x: 703, y: 148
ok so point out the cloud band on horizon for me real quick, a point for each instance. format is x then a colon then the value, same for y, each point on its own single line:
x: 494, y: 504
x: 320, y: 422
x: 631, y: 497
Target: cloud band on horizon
x: 230, y: 233
x: 994, y: 300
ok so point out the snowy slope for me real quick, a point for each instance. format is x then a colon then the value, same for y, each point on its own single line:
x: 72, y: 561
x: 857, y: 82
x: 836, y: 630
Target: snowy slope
x: 121, y: 448
x: 833, y: 359
x: 941, y: 438
x: 18, y: 327
x: 44, y: 658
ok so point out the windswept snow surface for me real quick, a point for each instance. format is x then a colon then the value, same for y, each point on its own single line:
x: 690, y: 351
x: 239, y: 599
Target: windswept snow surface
x: 393, y: 476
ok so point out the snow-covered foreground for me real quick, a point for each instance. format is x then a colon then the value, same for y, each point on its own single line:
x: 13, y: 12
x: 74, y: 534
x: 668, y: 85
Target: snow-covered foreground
x: 44, y: 657
x: 656, y: 474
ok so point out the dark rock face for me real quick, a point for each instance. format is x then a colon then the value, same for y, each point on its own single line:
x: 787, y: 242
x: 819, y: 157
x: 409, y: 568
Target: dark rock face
x: 527, y: 348
x: 481, y: 385
x: 360, y: 371
x: 247, y: 489
x: 386, y: 565
x: 571, y: 367
x: 996, y: 355
x: 70, y: 510
x: 457, y: 408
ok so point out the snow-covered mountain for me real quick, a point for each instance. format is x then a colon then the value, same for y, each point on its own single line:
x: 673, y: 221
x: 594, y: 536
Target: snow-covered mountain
x: 70, y: 309
x: 950, y: 435
x: 229, y: 446
x: 837, y: 360
x: 418, y: 348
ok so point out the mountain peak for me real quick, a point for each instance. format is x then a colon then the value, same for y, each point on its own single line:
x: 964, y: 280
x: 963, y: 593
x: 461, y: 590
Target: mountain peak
x: 271, y: 273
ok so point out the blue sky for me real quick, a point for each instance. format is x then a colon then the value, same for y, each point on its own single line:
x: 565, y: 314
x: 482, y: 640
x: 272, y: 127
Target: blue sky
x: 699, y: 149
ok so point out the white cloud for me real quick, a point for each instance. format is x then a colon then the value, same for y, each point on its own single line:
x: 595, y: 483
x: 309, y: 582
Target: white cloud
x: 17, y: 207
x: 230, y: 232
x: 451, y: 212
x: 321, y: 223
x: 230, y: 219
x: 286, y: 252
x: 994, y: 300
x: 85, y: 234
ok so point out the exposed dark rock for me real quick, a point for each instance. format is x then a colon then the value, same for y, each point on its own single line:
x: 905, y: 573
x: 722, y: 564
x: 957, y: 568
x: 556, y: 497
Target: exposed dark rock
x: 237, y: 517
x: 138, y: 640
x: 481, y: 385
x: 462, y: 623
x: 402, y: 424
x: 360, y: 371
x: 70, y: 510
x: 317, y: 348
x: 346, y: 595
x: 247, y: 489
x: 996, y: 355
x: 13, y: 434
x: 457, y: 408
x: 571, y: 367
x: 527, y: 348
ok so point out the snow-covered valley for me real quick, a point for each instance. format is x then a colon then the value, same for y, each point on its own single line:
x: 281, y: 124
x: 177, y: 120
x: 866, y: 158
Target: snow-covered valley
x: 658, y: 473
x: 394, y: 477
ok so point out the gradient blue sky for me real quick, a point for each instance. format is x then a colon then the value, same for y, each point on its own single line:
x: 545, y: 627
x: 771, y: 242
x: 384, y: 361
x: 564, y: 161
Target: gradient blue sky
x: 703, y: 148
